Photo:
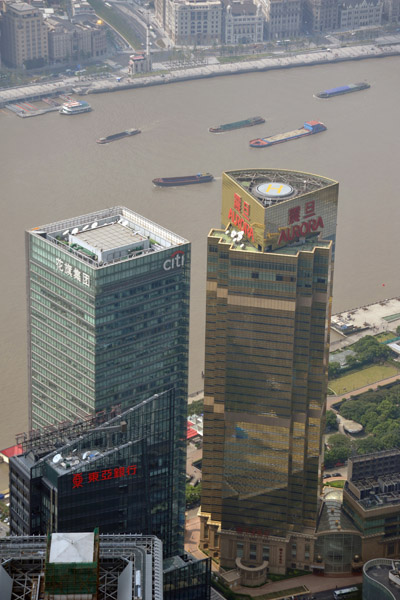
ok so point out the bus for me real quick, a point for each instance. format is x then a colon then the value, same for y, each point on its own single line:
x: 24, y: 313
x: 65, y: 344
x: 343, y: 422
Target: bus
x: 351, y: 592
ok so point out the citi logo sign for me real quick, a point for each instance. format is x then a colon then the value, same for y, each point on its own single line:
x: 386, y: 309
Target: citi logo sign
x: 176, y: 261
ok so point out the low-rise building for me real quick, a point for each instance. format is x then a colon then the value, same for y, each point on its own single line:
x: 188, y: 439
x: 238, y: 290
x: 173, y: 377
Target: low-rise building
x: 72, y: 41
x: 354, y: 14
x: 391, y: 11
x: 283, y: 18
x: 194, y: 23
x: 371, y: 498
x: 321, y: 15
x: 381, y: 579
x: 243, y: 22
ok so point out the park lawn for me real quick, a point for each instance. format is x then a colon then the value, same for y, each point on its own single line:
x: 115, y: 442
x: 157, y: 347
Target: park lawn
x: 361, y: 378
x: 336, y: 484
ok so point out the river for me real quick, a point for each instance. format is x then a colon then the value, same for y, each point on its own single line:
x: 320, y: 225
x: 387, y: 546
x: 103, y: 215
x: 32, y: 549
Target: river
x: 53, y: 169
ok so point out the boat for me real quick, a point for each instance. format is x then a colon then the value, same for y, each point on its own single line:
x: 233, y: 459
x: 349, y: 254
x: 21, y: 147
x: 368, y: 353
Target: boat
x: 186, y: 180
x: 344, y: 89
x: 75, y: 107
x: 310, y: 127
x: 237, y: 125
x: 118, y: 136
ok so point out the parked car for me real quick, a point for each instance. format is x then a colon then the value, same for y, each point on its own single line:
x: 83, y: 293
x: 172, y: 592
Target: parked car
x: 336, y: 475
x: 326, y: 476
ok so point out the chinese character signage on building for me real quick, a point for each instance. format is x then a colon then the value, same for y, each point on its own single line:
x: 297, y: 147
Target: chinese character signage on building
x: 72, y: 272
x: 79, y: 480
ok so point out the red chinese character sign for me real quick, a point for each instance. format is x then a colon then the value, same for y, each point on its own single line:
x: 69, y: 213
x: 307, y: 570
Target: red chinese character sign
x: 239, y: 216
x: 80, y: 480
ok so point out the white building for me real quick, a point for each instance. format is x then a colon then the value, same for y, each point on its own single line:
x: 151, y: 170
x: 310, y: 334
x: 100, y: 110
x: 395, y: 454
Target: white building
x: 197, y: 23
x: 243, y: 23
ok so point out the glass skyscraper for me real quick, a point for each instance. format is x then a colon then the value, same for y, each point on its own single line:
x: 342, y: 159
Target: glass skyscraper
x: 108, y: 315
x: 120, y: 473
x: 269, y: 282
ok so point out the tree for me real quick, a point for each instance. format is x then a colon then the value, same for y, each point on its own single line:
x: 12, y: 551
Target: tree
x: 368, y: 350
x: 336, y: 455
x: 193, y: 495
x: 333, y: 369
x: 331, y: 420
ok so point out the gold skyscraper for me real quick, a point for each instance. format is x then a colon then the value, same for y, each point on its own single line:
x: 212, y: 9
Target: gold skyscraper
x: 269, y: 283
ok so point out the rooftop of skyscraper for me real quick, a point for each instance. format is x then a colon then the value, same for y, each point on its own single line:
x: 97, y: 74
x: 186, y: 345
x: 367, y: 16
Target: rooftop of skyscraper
x: 108, y: 236
x: 81, y: 565
x: 273, y: 186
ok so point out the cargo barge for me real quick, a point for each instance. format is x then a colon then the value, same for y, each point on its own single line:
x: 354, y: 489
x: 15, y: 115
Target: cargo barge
x: 310, y: 128
x: 237, y: 125
x: 344, y: 89
x: 118, y: 136
x: 186, y: 180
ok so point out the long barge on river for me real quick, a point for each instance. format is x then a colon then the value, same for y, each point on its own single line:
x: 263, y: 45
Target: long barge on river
x: 310, y: 128
x: 237, y: 125
x: 344, y: 89
x: 185, y: 180
x: 118, y: 136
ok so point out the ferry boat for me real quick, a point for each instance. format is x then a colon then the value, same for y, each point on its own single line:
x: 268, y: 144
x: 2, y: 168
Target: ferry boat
x: 344, y: 89
x: 186, y: 180
x: 237, y: 125
x: 75, y: 107
x: 118, y: 136
x: 310, y: 127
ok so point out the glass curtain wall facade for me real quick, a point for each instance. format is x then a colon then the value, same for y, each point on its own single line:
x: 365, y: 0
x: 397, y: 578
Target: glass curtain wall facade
x: 108, y: 314
x: 123, y: 475
x: 269, y: 281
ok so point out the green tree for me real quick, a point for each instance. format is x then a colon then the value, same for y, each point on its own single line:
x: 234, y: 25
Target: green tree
x: 331, y: 420
x: 338, y: 440
x: 334, y: 369
x: 193, y: 495
x: 368, y: 350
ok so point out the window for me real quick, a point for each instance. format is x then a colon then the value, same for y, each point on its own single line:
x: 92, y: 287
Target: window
x: 239, y: 550
x: 253, y: 552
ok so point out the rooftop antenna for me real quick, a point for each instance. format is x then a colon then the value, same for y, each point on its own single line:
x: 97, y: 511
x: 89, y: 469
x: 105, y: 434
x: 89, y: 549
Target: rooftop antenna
x: 66, y: 232
x: 94, y: 225
x: 86, y: 227
x: 75, y: 230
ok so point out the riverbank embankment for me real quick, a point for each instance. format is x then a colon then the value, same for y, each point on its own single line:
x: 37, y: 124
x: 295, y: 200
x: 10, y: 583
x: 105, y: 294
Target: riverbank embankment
x: 310, y: 58
x: 253, y: 65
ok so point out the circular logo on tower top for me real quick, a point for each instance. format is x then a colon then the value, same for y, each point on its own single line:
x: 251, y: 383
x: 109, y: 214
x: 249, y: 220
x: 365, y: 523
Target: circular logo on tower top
x: 274, y: 189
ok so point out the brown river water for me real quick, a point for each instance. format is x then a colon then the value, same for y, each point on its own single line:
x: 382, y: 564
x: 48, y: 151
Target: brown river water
x: 51, y: 168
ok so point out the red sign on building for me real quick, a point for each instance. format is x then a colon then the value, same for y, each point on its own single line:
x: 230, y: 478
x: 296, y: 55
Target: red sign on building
x: 78, y: 480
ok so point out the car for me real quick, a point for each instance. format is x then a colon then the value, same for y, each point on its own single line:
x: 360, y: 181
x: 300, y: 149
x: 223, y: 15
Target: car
x: 336, y: 474
x: 327, y: 476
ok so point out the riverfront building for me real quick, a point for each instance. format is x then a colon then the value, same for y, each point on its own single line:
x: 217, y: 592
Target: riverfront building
x: 23, y: 35
x: 108, y: 315
x: 269, y: 283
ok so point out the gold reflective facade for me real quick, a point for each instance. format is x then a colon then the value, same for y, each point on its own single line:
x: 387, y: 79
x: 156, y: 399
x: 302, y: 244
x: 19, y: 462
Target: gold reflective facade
x: 269, y: 281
